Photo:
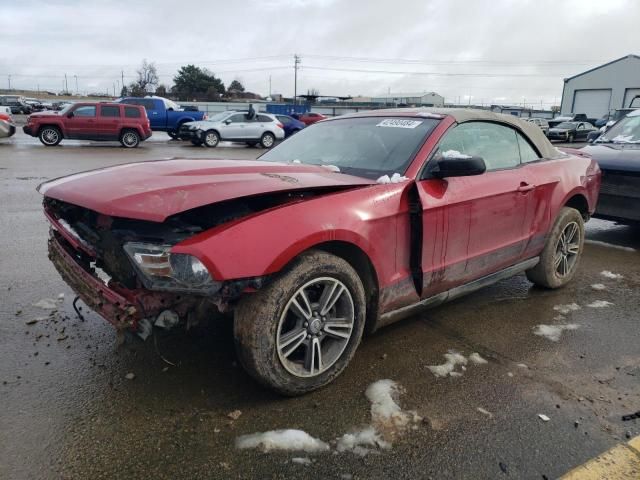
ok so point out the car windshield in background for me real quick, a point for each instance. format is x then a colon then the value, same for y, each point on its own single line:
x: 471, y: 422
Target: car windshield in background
x: 368, y: 147
x: 566, y: 125
x: 626, y: 130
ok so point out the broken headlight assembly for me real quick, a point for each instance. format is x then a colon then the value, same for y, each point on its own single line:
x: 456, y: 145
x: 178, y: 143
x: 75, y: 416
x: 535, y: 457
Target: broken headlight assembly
x: 160, y: 269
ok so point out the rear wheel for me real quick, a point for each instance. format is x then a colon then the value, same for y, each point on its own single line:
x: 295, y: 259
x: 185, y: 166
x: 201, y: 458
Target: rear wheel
x: 129, y: 139
x: 211, y: 138
x: 570, y: 138
x: 561, y: 255
x: 267, y: 140
x: 50, y: 136
x: 300, y: 331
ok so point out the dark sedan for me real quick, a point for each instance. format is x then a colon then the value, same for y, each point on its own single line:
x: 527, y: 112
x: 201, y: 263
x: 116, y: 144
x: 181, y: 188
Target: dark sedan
x: 290, y: 124
x: 570, y: 131
x: 617, y: 152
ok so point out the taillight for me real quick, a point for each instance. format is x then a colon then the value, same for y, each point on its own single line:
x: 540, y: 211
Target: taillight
x: 280, y: 125
x: 205, y: 117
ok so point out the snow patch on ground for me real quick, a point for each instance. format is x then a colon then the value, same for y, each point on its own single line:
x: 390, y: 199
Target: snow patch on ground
x: 599, y: 304
x: 302, y: 461
x: 362, y: 442
x: 610, y: 245
x: 564, y: 309
x: 598, y: 286
x: 395, y: 178
x: 452, y: 360
x: 611, y: 275
x: 289, y: 439
x: 553, y: 332
x: 46, y: 304
x: 477, y: 359
x: 454, y: 154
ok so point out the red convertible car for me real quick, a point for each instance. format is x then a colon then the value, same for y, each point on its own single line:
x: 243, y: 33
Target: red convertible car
x: 351, y: 224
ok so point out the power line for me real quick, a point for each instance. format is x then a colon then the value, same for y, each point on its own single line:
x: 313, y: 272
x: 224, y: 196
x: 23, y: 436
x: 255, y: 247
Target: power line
x: 437, y: 74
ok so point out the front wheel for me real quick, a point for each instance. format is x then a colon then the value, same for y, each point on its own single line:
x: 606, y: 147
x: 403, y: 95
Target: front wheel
x: 130, y: 139
x: 570, y: 138
x: 267, y: 140
x: 300, y: 331
x: 50, y: 136
x: 211, y: 139
x: 562, y: 251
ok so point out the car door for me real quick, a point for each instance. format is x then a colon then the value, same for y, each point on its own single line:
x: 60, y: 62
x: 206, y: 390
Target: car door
x: 474, y: 226
x: 108, y: 123
x: 81, y: 123
x: 581, y: 131
x: 233, y: 128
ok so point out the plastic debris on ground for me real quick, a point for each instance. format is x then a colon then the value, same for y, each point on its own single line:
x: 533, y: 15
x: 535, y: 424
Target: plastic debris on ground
x: 289, y: 439
x: 543, y: 417
x: 485, y: 412
x: 553, y: 332
x: 46, y: 304
x: 130, y: 376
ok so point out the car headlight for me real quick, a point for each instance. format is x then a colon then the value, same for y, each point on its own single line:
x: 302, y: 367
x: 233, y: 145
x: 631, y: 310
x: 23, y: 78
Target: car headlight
x: 176, y: 272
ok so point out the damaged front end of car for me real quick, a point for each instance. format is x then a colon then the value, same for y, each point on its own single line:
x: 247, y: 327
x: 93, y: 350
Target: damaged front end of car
x: 124, y: 269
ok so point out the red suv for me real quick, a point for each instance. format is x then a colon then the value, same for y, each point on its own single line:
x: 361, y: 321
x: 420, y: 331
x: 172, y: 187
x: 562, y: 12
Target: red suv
x: 128, y: 124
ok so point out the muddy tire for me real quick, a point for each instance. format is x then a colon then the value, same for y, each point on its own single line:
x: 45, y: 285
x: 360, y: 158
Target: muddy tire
x: 50, y: 136
x: 129, y: 138
x: 268, y: 140
x: 300, y: 331
x: 561, y: 255
x: 570, y: 138
x: 210, y: 138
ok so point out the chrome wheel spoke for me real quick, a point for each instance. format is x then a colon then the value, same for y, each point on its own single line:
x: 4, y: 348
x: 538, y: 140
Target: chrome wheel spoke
x: 338, y: 329
x: 313, y: 356
x: 301, y: 305
x: 330, y: 295
x: 290, y: 341
x: 558, y: 260
x: 573, y: 248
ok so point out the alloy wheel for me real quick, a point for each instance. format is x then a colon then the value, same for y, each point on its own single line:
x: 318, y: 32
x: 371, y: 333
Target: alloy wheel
x: 567, y: 249
x: 315, y: 327
x: 50, y: 136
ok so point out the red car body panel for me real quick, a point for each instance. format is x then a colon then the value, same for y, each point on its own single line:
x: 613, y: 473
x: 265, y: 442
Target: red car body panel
x: 472, y: 226
x: 311, y: 118
x: 156, y: 190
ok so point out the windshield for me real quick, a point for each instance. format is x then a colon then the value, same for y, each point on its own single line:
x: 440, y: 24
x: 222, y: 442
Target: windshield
x: 65, y: 109
x: 626, y: 130
x: 566, y: 125
x: 368, y: 147
x: 168, y: 104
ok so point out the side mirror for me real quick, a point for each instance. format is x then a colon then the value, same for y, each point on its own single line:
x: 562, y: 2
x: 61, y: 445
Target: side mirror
x: 70, y: 115
x: 460, y: 166
x: 227, y: 122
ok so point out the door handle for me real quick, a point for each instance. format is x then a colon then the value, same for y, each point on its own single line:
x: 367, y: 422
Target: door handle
x: 525, y: 187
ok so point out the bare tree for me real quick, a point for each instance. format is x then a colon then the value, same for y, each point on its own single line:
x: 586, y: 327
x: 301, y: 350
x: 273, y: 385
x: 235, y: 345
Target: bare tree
x: 147, y: 77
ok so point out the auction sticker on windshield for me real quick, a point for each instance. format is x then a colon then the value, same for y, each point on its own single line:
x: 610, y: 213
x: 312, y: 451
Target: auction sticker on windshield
x: 397, y: 123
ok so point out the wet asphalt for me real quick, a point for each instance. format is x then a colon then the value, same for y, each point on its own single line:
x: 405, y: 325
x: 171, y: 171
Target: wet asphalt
x: 67, y: 409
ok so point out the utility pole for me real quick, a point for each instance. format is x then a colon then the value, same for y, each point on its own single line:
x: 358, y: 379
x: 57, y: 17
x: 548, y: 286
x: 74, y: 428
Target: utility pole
x: 76, y: 77
x: 122, y: 73
x: 9, y: 77
x: 296, y: 62
x: 269, y: 85
x: 66, y: 86
x: 114, y: 89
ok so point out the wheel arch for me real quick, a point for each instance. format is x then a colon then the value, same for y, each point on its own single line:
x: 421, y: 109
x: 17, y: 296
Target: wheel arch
x: 55, y: 125
x: 579, y: 202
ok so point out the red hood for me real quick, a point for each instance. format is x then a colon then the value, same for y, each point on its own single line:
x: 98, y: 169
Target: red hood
x: 156, y: 190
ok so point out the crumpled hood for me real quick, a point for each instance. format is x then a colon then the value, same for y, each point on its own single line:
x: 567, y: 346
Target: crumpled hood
x: 615, y: 156
x: 156, y: 190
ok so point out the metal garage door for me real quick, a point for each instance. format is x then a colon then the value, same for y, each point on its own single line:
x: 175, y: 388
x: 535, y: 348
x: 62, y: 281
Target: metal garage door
x: 628, y: 96
x: 595, y: 103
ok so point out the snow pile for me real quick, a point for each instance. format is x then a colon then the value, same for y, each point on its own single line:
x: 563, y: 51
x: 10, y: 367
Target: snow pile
x: 362, y: 442
x: 477, y: 359
x: 454, y: 154
x: 564, y: 309
x: 610, y: 245
x: 302, y: 461
x: 599, y: 304
x: 611, y: 275
x: 598, y: 286
x: 290, y: 439
x: 452, y: 360
x: 395, y: 178
x: 46, y: 304
x: 554, y: 332
x: 332, y: 168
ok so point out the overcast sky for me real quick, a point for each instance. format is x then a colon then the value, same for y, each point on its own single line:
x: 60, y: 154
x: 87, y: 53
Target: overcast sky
x: 494, y: 51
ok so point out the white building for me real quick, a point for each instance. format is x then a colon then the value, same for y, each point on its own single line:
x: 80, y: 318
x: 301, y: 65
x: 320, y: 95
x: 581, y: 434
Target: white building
x: 427, y: 99
x: 600, y: 90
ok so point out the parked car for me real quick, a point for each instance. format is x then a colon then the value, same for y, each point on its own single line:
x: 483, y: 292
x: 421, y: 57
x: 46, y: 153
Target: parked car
x: 16, y: 103
x: 617, y: 152
x: 570, y: 117
x: 164, y: 115
x: 571, y: 131
x: 189, y: 108
x: 61, y: 105
x: 234, y: 126
x: 540, y: 122
x: 5, y: 110
x: 35, y: 104
x: 127, y: 124
x: 309, y: 118
x: 349, y: 225
x: 290, y: 124
x: 7, y: 126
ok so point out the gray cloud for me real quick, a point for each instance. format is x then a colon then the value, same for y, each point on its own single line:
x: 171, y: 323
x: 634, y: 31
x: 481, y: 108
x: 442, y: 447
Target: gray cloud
x: 525, y: 48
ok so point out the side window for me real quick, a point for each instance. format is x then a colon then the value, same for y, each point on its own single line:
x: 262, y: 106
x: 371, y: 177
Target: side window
x: 148, y: 104
x: 131, y: 112
x: 496, y: 144
x: 264, y: 118
x: 238, y: 118
x: 527, y: 153
x: 581, y: 126
x: 88, y: 111
x: 109, y: 111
